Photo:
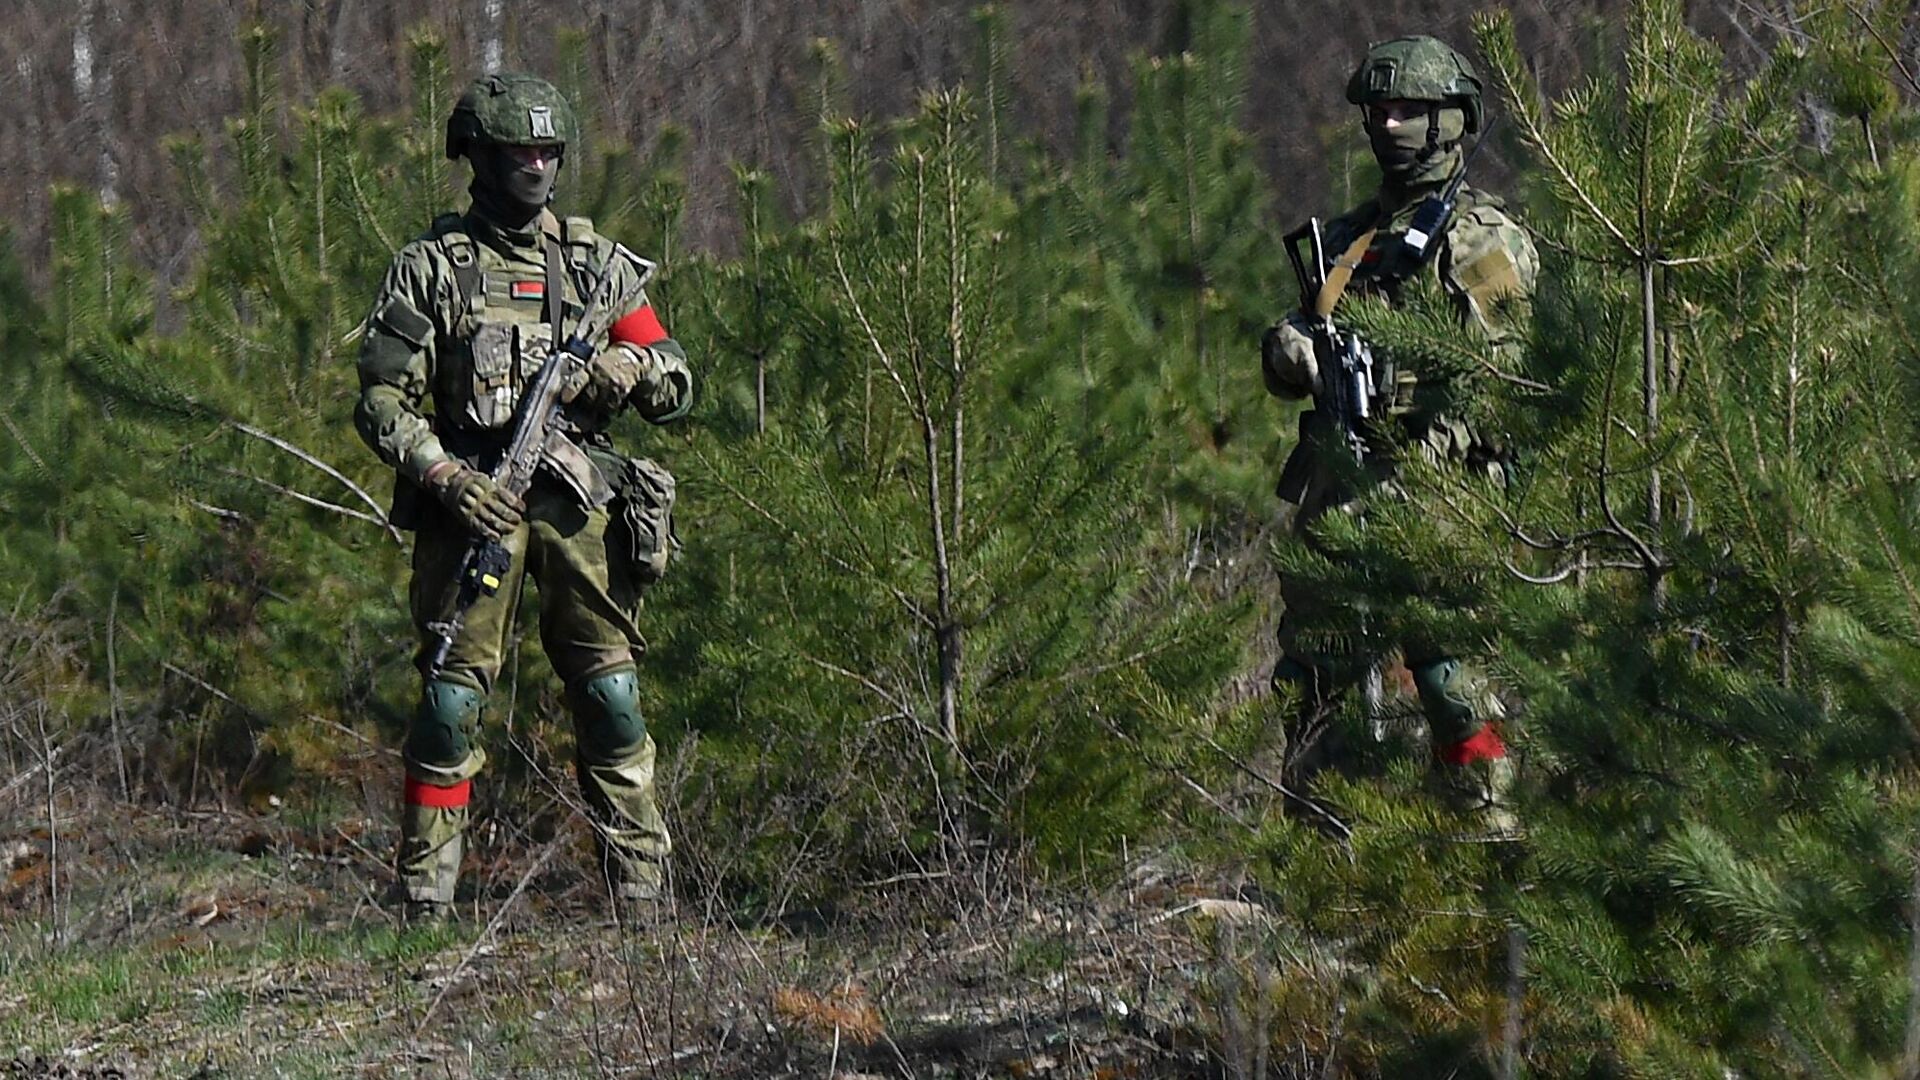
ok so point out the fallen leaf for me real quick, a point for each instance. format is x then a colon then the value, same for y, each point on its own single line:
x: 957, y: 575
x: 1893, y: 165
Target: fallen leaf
x: 845, y: 1011
x: 202, y: 911
x: 26, y: 874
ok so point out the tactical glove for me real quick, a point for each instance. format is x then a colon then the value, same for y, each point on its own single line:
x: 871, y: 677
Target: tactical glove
x: 609, y: 377
x: 479, y: 503
x: 1287, y: 360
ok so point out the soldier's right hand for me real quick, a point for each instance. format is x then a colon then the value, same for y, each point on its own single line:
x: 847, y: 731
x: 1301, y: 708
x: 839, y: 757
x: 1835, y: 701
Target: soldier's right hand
x: 1287, y: 360
x: 479, y: 503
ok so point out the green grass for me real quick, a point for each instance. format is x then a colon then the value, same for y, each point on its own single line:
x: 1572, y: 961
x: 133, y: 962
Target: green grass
x: 1040, y: 957
x: 386, y: 945
x: 81, y: 996
x: 221, y: 1008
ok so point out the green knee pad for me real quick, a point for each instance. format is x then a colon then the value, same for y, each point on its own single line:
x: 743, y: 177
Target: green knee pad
x: 606, y: 713
x: 441, y: 731
x: 1447, y: 696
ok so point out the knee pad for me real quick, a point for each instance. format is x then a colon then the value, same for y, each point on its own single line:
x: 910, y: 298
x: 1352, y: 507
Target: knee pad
x: 441, y: 734
x: 606, y: 714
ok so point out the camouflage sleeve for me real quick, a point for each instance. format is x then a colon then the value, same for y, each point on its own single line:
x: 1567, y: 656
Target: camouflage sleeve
x: 1490, y: 266
x: 396, y: 364
x: 662, y: 382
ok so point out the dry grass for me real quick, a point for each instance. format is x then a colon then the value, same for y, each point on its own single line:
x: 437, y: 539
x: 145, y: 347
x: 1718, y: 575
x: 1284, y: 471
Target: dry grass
x: 169, y: 935
x: 237, y: 944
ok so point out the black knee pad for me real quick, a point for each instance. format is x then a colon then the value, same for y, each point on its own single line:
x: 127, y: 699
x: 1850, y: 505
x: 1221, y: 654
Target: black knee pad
x: 443, y: 727
x: 606, y: 714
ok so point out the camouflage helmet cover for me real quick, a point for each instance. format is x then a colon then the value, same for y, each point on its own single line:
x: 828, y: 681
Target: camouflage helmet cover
x: 1417, y: 69
x: 510, y: 108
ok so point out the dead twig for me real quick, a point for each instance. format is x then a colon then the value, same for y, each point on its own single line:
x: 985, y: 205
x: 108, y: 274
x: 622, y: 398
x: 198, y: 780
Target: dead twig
x: 281, y: 444
x: 336, y: 508
x: 486, y: 934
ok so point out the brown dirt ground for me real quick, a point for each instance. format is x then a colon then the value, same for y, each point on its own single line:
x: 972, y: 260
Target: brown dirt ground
x: 237, y: 944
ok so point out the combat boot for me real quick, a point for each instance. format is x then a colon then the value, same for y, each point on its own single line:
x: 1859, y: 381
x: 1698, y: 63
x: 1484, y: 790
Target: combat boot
x: 1482, y: 792
x: 637, y: 892
x: 432, y: 830
x: 615, y: 767
x: 1475, y: 778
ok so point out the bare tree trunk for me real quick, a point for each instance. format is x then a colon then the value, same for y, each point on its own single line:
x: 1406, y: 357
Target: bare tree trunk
x: 113, y: 699
x: 947, y: 624
x: 337, y: 50
x: 1910, y: 1060
x: 1650, y: 382
x: 1650, y: 415
x: 493, y: 48
x: 950, y: 630
x: 1513, y: 1026
x: 93, y: 87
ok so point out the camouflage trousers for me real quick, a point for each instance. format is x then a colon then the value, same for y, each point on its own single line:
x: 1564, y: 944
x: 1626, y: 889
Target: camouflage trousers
x: 589, y: 599
x: 1456, y: 697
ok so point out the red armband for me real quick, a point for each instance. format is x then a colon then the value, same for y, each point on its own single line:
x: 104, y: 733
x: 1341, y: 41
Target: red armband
x: 448, y: 797
x: 1485, y: 745
x: 639, y: 327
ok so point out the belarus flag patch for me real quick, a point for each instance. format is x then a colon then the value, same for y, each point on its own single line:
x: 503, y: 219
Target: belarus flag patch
x: 528, y: 290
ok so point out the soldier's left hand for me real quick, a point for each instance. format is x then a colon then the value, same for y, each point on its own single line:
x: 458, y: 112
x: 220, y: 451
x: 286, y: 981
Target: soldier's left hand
x: 1287, y: 360
x: 608, y: 378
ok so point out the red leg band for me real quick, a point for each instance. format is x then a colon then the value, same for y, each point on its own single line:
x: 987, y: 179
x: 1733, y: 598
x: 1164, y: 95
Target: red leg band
x: 638, y: 327
x: 450, y: 797
x: 1485, y: 745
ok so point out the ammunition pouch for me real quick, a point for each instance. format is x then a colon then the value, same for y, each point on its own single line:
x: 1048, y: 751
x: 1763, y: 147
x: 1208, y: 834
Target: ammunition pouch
x: 642, y: 519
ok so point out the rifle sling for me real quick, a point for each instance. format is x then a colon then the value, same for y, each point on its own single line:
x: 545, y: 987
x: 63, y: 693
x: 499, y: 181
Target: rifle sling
x: 1341, y: 273
x: 556, y: 297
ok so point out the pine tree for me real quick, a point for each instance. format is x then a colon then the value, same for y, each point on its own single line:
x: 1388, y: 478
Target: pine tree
x: 929, y: 573
x: 1684, y: 590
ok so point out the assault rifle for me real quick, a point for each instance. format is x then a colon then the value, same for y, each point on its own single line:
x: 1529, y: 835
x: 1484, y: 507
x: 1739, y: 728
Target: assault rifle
x: 1347, y: 383
x: 539, y: 438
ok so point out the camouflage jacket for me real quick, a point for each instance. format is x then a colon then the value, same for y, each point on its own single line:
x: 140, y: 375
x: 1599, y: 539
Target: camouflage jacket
x: 462, y: 320
x: 1485, y: 262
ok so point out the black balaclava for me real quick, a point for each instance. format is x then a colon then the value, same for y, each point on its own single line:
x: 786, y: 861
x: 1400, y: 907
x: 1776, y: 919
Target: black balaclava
x: 508, y: 191
x: 1422, y: 149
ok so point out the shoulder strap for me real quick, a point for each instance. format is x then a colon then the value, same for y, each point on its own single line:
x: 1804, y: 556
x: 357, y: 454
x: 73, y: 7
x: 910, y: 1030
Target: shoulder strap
x: 462, y: 254
x: 1342, y: 272
x: 556, y: 295
x: 582, y: 251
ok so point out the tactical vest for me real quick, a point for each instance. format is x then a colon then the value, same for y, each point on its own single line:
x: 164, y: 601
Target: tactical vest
x: 1387, y: 264
x: 504, y: 325
x: 1421, y: 407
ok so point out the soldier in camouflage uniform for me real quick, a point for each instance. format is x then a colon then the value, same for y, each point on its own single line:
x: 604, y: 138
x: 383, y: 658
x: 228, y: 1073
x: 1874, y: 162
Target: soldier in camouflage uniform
x: 465, y: 318
x: 1419, y: 99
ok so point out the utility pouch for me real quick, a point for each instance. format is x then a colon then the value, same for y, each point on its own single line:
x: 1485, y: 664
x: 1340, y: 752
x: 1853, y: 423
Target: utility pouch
x: 563, y: 459
x: 1397, y: 391
x: 643, y: 518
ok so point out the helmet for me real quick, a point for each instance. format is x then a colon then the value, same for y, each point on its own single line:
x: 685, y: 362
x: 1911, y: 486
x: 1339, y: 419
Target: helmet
x: 1417, y: 69
x: 511, y: 108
